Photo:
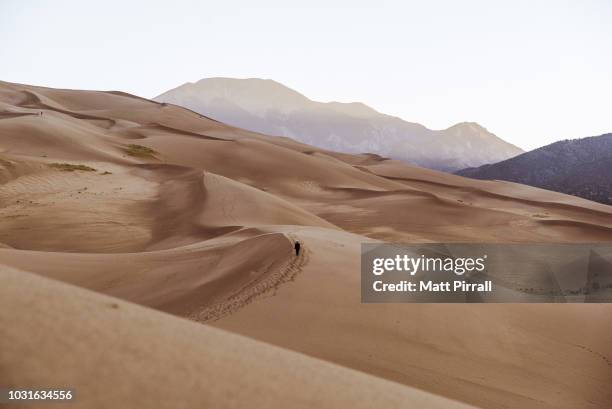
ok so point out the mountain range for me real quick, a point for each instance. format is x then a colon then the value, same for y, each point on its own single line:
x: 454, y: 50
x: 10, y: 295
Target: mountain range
x: 579, y: 167
x: 271, y: 108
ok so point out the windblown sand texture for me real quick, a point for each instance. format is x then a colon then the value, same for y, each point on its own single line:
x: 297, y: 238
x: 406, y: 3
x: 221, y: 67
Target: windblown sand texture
x: 159, y: 206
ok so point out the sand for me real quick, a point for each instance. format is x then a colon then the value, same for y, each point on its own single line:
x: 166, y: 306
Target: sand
x: 192, y: 217
x: 115, y: 354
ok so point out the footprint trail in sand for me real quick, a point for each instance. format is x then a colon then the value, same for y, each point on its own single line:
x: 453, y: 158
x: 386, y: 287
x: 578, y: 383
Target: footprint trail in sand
x: 268, y: 282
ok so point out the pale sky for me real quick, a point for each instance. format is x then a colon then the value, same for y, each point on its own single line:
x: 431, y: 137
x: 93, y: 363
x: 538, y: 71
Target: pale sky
x: 532, y: 72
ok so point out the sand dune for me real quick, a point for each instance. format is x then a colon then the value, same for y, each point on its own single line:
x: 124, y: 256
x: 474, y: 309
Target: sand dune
x: 487, y: 355
x: 142, y: 358
x: 160, y: 206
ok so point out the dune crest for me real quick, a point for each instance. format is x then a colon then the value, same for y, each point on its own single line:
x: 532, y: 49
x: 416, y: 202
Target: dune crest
x: 160, y: 206
x: 143, y: 358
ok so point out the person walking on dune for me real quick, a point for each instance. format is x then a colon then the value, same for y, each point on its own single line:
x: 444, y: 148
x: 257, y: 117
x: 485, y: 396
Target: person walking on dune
x: 297, y: 247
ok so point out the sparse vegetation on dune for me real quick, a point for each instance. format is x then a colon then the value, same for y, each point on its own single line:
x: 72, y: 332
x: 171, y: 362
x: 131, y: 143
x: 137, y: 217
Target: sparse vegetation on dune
x: 140, y: 151
x: 69, y: 167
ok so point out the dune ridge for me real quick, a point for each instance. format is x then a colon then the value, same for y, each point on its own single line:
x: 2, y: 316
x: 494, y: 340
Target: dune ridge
x: 143, y: 358
x: 192, y: 217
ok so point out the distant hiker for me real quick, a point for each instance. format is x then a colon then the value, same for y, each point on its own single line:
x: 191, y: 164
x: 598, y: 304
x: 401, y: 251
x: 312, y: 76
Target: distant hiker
x: 297, y: 248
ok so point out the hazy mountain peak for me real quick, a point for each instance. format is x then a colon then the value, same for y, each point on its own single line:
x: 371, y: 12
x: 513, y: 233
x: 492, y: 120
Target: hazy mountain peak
x: 249, y: 83
x: 254, y: 95
x: 477, y: 131
x: 267, y: 106
x: 467, y: 127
